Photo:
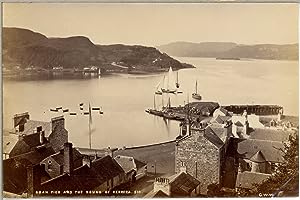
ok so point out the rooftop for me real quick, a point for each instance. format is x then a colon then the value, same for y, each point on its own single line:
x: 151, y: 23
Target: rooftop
x: 247, y: 179
x: 31, y: 125
x: 258, y: 157
x: 270, y: 134
x: 246, y: 148
x: 157, y: 194
x: 183, y: 183
x: 85, y: 177
x: 215, y: 135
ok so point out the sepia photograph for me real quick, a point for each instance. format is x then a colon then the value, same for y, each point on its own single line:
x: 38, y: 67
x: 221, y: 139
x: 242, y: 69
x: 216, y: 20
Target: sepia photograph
x: 150, y: 100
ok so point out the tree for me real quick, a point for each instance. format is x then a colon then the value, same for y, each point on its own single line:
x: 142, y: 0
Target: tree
x: 284, y: 181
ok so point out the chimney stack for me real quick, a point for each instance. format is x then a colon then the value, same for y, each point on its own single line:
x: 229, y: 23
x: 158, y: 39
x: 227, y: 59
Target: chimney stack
x: 33, y: 179
x: 68, y: 158
x: 58, y: 122
x: 20, y: 119
x: 42, y: 137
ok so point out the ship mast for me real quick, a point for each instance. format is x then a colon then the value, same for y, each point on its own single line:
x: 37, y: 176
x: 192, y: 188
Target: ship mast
x: 90, y: 122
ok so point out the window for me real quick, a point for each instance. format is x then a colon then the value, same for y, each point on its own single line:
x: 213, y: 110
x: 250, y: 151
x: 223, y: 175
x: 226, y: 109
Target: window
x: 49, y: 165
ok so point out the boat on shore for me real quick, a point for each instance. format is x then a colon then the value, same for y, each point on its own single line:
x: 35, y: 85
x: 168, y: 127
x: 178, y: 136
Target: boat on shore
x: 196, y: 95
x: 73, y: 113
x: 53, y: 110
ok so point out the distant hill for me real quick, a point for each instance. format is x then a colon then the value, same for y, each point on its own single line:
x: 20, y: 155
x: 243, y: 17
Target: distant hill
x: 23, y: 48
x: 231, y: 50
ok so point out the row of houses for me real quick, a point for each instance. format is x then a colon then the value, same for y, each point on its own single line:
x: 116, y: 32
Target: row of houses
x: 226, y: 150
x: 232, y: 151
x: 42, y: 160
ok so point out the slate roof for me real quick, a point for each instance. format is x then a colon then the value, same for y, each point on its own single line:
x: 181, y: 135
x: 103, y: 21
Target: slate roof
x: 238, y: 123
x: 129, y: 163
x: 224, y: 111
x: 126, y: 162
x: 9, y: 141
x: 139, y: 164
x: 270, y: 134
x: 182, y: 184
x: 246, y: 148
x: 37, y: 155
x: 85, y: 177
x: 26, y: 144
x: 157, y: 194
x: 220, y: 119
x: 30, y: 125
x: 214, y: 135
x: 247, y: 179
x: 258, y: 157
x: 59, y: 158
x: 15, y: 179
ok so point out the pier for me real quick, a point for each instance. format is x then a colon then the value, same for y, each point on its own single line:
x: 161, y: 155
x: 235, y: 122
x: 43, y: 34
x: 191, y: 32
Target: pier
x: 255, y: 109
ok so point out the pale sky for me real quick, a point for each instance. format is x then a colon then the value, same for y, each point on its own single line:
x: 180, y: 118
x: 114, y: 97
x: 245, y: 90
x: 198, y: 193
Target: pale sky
x: 157, y: 23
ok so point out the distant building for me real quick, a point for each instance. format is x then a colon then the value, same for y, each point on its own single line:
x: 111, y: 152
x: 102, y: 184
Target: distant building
x: 221, y: 112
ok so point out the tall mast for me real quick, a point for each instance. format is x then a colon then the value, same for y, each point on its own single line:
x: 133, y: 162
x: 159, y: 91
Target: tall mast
x: 154, y: 103
x: 90, y: 122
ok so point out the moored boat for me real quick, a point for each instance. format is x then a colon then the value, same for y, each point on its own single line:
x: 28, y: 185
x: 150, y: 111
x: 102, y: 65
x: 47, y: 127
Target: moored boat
x: 196, y: 95
x: 169, y: 85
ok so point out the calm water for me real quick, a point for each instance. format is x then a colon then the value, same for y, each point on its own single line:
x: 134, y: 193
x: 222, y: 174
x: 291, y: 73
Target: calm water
x: 125, y: 97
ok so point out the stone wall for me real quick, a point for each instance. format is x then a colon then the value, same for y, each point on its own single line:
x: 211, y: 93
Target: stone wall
x: 200, y: 157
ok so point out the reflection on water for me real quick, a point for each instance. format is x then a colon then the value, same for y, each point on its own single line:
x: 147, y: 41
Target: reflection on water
x: 124, y: 98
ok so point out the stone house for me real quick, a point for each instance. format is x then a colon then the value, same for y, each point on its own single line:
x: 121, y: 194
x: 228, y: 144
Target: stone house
x: 54, y: 164
x: 15, y: 169
x: 252, y: 161
x: 100, y: 174
x: 134, y: 169
x: 202, y: 153
x: 53, y: 132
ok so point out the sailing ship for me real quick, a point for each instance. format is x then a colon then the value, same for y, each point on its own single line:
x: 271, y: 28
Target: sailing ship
x: 169, y: 85
x: 158, y: 91
x: 196, y: 95
x: 154, y: 111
